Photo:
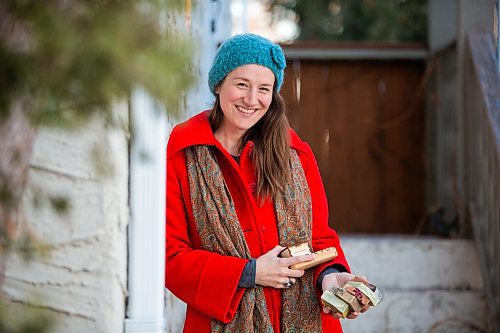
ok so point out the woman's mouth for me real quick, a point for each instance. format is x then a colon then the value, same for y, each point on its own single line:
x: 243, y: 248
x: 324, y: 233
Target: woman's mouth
x: 245, y: 111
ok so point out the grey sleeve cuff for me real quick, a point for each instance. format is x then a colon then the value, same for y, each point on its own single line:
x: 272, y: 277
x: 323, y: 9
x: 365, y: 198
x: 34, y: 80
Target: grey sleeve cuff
x: 247, y: 279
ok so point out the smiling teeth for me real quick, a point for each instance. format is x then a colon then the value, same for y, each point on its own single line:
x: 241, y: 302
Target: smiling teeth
x: 246, y: 111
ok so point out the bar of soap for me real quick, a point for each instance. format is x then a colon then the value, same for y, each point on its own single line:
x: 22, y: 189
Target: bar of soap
x: 304, y: 249
x: 294, y: 251
x: 370, y: 291
x: 348, y: 298
x: 362, y: 298
x: 334, y: 303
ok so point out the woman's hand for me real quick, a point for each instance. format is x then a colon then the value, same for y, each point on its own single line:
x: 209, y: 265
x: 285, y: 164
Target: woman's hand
x: 338, y: 280
x: 273, y: 271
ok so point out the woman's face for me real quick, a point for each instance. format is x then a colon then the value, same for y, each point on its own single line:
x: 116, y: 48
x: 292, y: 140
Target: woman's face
x: 245, y: 96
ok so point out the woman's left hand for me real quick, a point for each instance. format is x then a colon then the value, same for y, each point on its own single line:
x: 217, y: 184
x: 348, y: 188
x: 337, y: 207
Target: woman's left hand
x: 338, y: 280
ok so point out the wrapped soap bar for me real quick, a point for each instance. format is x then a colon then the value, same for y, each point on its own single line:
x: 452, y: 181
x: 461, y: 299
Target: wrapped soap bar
x: 370, y: 291
x: 334, y: 303
x: 303, y: 249
x: 348, y: 298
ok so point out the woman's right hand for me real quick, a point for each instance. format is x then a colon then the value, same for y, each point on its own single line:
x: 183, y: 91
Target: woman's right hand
x: 273, y: 271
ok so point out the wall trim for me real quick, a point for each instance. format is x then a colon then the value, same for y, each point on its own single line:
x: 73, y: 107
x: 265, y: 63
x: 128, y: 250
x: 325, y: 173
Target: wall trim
x: 146, y: 274
x: 318, y: 53
x: 144, y: 325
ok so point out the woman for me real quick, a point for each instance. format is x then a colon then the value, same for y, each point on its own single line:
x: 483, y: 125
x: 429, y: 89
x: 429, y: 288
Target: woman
x: 242, y: 186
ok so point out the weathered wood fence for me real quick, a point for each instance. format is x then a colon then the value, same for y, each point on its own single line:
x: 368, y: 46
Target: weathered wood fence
x: 482, y: 161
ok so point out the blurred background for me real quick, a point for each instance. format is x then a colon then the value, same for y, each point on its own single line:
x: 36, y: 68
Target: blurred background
x: 399, y: 100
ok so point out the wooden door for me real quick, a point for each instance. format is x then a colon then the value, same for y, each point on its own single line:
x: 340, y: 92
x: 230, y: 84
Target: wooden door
x: 365, y: 123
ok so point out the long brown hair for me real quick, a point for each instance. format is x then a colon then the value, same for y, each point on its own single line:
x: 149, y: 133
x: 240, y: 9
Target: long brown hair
x: 271, y: 152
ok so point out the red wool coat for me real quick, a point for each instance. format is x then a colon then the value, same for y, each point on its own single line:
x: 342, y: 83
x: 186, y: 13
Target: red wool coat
x: 207, y: 281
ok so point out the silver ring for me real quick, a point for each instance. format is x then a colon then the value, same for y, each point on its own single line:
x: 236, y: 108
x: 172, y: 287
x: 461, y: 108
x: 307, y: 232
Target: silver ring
x: 288, y: 283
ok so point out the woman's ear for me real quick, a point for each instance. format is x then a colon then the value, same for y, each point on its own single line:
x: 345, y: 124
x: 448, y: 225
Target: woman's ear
x: 217, y: 89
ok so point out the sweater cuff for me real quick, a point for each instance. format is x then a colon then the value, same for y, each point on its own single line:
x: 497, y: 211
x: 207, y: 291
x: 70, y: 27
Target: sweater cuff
x: 247, y: 279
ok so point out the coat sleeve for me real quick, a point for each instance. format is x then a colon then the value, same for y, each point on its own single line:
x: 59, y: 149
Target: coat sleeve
x: 323, y: 235
x: 205, y: 280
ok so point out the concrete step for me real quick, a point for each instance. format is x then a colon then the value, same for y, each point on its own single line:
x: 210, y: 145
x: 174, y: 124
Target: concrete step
x: 429, y: 285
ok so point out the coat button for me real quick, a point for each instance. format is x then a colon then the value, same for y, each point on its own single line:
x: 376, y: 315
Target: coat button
x: 253, y: 187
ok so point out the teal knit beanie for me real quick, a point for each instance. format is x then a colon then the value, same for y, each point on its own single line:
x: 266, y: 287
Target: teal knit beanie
x: 246, y: 49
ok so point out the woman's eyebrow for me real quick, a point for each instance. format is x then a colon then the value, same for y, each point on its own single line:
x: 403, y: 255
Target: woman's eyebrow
x: 240, y: 78
x: 248, y: 80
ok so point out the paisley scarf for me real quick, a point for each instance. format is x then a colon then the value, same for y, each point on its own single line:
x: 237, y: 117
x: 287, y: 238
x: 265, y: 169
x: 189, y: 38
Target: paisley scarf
x: 220, y: 232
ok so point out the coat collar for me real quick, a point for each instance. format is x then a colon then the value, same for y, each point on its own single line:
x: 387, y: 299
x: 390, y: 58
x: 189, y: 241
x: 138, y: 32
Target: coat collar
x: 193, y: 132
x: 197, y: 131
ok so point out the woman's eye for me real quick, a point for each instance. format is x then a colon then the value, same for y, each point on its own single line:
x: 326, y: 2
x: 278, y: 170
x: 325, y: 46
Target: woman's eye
x: 265, y: 89
x: 241, y: 84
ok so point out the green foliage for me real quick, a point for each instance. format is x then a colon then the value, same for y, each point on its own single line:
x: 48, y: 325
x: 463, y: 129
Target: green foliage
x: 27, y: 319
x: 357, y: 20
x: 26, y: 245
x: 72, y: 58
x: 60, y: 204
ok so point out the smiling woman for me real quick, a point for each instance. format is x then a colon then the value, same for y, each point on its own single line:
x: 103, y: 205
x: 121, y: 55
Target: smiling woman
x: 241, y: 188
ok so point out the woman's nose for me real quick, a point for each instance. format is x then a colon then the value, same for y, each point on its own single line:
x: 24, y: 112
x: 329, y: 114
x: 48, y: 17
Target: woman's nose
x: 250, y: 97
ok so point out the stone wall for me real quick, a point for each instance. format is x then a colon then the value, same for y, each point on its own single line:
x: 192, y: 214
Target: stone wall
x: 428, y: 284
x: 82, y: 280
